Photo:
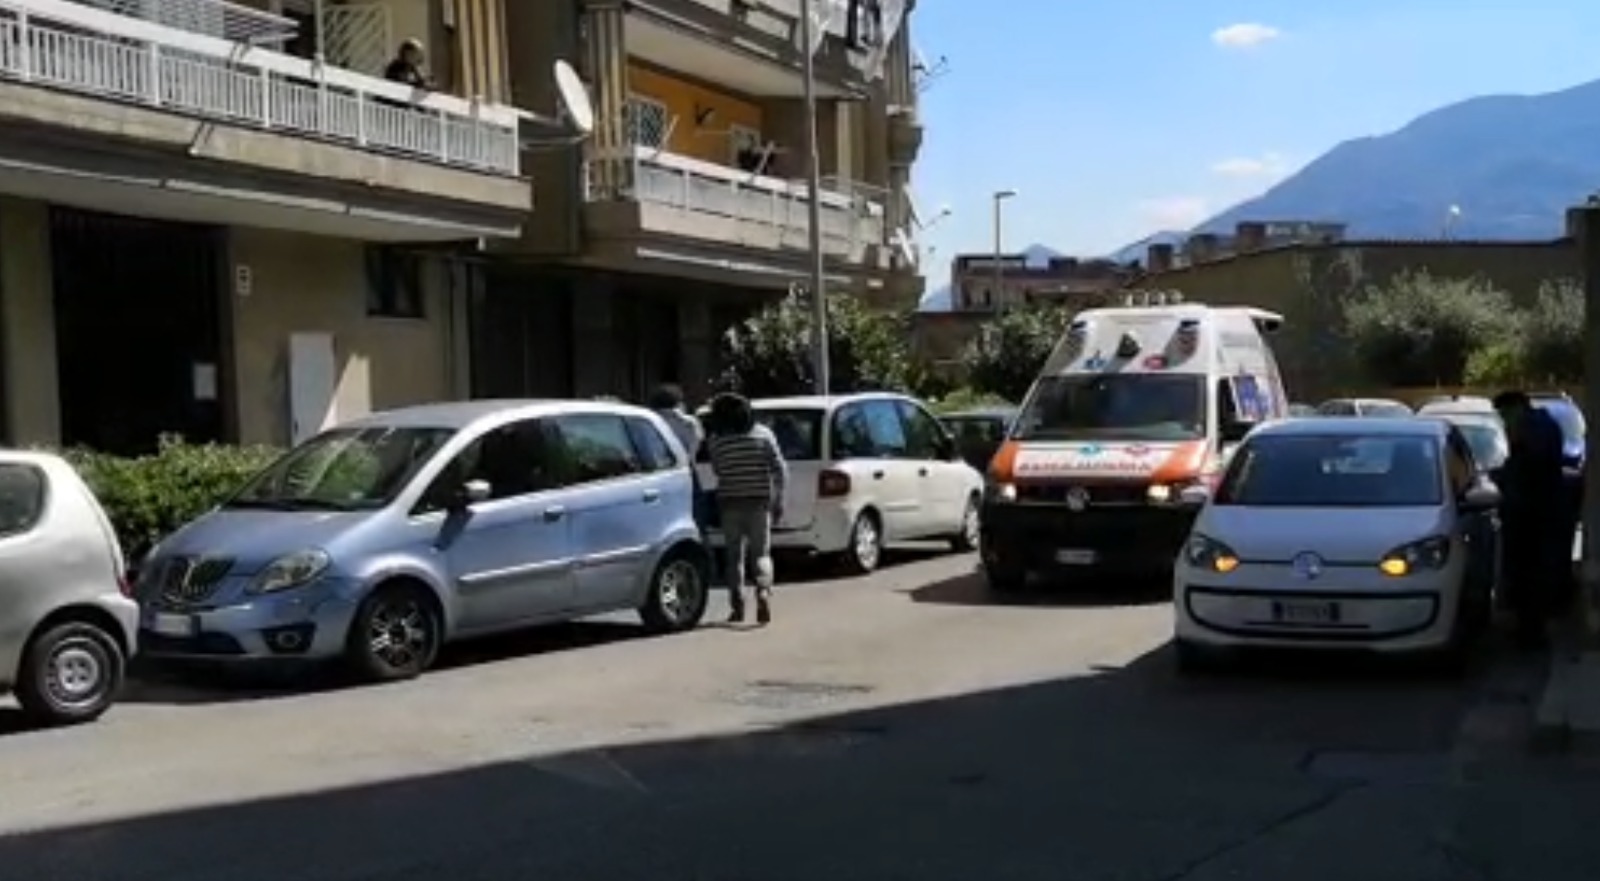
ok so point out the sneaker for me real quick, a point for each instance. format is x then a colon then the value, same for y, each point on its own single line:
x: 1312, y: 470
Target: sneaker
x: 736, y: 615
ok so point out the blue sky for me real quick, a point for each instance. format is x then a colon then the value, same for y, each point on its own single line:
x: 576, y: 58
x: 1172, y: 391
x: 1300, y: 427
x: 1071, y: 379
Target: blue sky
x: 1114, y: 119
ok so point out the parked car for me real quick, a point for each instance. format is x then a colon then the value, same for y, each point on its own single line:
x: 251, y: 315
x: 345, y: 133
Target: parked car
x: 1362, y: 407
x: 382, y: 539
x: 67, y: 625
x: 1574, y: 430
x: 1484, y: 432
x: 1301, y: 411
x: 1442, y: 404
x: 1377, y: 534
x: 979, y: 433
x: 865, y: 471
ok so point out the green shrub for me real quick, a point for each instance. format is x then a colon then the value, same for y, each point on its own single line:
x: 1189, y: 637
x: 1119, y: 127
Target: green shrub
x: 1552, y: 334
x: 1497, y: 364
x: 1420, y: 330
x: 149, y: 497
x: 769, y: 354
x: 966, y: 399
x: 1009, y: 352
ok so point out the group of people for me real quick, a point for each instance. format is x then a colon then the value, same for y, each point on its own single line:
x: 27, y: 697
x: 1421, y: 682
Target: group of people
x: 748, y: 499
x: 1538, y: 517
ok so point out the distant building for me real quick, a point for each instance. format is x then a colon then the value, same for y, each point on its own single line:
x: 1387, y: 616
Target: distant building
x: 975, y: 286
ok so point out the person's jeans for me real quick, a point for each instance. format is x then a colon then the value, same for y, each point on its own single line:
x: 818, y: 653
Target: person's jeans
x: 747, y: 545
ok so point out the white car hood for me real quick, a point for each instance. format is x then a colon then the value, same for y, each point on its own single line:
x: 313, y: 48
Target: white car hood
x: 1338, y: 535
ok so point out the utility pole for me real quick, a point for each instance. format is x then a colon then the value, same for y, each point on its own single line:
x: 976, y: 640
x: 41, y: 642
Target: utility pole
x: 1584, y: 225
x: 819, y: 296
x: 997, y: 298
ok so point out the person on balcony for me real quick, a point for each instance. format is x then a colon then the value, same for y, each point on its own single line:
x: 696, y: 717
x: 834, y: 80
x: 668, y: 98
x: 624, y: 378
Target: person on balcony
x: 408, y: 67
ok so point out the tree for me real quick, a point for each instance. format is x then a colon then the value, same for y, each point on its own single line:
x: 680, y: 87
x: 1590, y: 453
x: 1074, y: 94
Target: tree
x: 1007, y: 354
x: 769, y: 354
x: 1420, y: 330
x: 1552, y: 334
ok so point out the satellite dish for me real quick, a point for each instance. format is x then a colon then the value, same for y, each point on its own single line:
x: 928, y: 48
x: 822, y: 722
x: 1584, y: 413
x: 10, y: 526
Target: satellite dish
x: 574, y: 98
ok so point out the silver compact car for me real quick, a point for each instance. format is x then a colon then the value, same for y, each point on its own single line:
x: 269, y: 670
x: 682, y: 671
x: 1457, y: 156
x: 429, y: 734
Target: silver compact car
x: 1374, y: 534
x: 67, y: 626
x: 381, y: 539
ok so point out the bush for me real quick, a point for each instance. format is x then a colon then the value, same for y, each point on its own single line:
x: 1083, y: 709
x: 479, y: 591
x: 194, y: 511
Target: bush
x: 1552, y: 334
x: 966, y: 399
x: 1006, y: 356
x: 149, y: 497
x: 1419, y: 330
x: 769, y: 354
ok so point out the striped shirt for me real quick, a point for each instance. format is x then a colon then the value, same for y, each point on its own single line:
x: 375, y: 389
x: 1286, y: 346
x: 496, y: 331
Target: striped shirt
x: 749, y: 467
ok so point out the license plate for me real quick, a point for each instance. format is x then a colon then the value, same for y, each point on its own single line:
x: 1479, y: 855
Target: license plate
x: 1296, y: 612
x: 1075, y: 557
x: 173, y: 625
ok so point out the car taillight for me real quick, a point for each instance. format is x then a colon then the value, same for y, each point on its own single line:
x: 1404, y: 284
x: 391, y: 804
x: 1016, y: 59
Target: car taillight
x: 832, y: 484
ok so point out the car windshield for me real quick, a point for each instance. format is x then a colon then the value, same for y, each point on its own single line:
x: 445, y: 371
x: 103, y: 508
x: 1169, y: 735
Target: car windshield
x: 798, y: 430
x: 1334, y: 471
x: 343, y: 470
x: 1488, y: 443
x: 1116, y: 406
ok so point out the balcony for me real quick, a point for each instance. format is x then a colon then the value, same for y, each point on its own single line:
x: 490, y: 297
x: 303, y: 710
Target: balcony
x: 212, y: 93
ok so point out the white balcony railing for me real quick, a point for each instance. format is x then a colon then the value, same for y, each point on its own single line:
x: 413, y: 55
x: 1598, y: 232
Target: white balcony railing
x: 849, y: 219
x: 76, y: 48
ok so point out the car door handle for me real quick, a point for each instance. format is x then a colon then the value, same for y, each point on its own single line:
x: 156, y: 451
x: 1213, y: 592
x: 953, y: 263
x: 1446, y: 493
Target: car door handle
x: 555, y: 513
x: 877, y: 475
x: 922, y: 472
x: 652, y: 495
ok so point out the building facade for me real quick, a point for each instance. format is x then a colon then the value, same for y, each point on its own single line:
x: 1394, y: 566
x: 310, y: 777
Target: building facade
x: 685, y: 210
x: 983, y: 283
x: 218, y: 219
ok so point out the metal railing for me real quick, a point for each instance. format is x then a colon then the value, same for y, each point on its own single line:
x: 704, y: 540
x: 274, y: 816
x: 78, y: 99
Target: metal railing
x: 216, y: 18
x: 657, y: 177
x: 81, y: 49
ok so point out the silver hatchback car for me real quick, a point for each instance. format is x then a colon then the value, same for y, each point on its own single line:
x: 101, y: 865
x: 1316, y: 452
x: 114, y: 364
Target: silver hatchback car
x: 67, y: 627
x: 381, y: 539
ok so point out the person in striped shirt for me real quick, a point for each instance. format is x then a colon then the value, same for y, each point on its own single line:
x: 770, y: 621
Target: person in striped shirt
x: 751, y: 478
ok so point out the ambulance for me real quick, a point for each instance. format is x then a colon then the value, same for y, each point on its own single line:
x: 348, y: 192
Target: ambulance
x: 1134, y: 404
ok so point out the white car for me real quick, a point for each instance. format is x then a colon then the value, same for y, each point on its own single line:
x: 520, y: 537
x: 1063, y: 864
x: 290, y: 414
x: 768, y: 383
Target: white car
x: 866, y: 470
x: 1377, y: 534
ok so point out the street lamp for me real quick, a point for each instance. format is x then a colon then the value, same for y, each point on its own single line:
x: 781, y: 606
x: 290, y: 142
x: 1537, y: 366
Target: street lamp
x: 819, y: 301
x: 999, y: 198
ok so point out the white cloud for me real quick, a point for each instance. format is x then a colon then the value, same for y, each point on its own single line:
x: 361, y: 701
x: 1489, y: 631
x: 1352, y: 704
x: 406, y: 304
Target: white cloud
x: 1174, y: 212
x: 1245, y: 35
x: 1266, y: 165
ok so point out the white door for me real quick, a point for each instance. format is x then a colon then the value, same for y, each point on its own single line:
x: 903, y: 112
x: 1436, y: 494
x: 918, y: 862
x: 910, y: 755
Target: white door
x: 312, y: 379
x: 895, y: 477
x: 942, y: 482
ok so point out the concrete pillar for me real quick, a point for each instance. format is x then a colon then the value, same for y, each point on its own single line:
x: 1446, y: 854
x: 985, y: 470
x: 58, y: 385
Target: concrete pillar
x: 593, y: 332
x: 32, y: 391
x: 696, y: 347
x: 1584, y: 223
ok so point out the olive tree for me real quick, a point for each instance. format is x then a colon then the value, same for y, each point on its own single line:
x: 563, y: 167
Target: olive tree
x: 1552, y: 334
x: 1418, y: 329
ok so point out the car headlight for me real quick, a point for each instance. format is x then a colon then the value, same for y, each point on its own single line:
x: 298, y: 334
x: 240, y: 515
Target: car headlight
x: 1169, y: 493
x: 1428, y: 554
x: 1208, y: 553
x: 291, y: 570
x: 1000, y: 491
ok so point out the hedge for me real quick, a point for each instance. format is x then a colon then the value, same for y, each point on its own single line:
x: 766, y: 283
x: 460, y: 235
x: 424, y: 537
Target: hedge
x: 149, y: 497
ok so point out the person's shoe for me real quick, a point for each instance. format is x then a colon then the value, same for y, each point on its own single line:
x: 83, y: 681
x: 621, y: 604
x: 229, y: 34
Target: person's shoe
x: 736, y: 614
x: 763, y: 608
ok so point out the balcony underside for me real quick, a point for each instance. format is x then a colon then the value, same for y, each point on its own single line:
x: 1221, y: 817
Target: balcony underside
x: 719, y: 49
x: 109, y: 156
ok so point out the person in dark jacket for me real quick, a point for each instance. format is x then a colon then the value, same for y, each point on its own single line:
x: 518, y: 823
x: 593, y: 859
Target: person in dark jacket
x: 407, y: 66
x: 1532, y: 485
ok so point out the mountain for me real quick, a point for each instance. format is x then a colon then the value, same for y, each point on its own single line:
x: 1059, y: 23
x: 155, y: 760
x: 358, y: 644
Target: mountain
x: 940, y: 299
x: 1512, y: 164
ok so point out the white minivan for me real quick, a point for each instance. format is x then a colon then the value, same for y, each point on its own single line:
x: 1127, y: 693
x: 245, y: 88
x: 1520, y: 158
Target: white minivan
x: 866, y: 470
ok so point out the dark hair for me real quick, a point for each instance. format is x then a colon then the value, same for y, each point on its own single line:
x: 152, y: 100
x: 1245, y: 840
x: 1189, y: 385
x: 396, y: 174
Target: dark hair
x: 730, y: 414
x: 666, y: 397
x: 1512, y: 400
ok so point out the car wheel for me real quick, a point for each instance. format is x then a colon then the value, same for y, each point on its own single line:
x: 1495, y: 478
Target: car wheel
x: 967, y: 539
x: 678, y: 594
x: 865, y: 550
x: 70, y: 673
x: 396, y: 634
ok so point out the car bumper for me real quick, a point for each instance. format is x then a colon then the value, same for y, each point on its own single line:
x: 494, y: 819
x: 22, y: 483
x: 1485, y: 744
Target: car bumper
x: 1417, y: 618
x: 827, y: 533
x: 307, y: 623
x: 1053, y: 538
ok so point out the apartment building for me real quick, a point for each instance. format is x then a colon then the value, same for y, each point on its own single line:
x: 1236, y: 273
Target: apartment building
x: 686, y: 209
x: 220, y: 219
x: 984, y: 283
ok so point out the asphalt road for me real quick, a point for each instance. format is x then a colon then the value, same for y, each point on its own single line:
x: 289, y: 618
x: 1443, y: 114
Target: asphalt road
x: 895, y: 727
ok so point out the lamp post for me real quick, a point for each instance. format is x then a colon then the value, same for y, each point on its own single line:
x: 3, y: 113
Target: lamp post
x: 1000, y: 196
x: 819, y: 300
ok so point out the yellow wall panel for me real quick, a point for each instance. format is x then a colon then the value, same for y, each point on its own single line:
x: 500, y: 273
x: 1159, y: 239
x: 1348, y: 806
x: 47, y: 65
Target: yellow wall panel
x: 684, y: 100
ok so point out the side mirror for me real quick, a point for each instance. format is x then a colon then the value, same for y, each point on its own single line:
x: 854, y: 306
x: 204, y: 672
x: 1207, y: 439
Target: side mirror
x: 1481, y: 496
x: 1194, y: 496
x: 1233, y: 432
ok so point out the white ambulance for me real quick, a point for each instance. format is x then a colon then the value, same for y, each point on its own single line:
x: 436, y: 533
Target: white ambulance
x: 1133, y: 405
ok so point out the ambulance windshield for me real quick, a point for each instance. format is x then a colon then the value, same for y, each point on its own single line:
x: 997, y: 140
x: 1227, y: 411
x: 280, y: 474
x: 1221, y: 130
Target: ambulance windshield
x: 1115, y: 406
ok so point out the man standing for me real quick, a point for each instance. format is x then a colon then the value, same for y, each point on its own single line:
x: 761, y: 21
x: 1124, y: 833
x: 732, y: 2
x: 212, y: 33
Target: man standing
x: 667, y: 401
x: 751, y: 478
x: 1532, y: 484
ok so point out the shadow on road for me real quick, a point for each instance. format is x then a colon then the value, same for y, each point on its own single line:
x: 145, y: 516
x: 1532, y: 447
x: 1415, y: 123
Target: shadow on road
x: 802, y: 569
x: 970, y: 589
x: 1130, y: 772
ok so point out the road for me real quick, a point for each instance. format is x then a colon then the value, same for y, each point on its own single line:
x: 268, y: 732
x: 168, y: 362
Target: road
x: 895, y: 727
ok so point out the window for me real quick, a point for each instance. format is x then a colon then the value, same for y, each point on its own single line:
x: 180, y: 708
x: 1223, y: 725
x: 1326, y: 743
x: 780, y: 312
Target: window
x: 22, y: 495
x: 798, y: 432
x: 1459, y: 462
x: 1334, y: 471
x: 646, y: 121
x: 595, y: 447
x: 1116, y: 406
x: 343, y: 470
x: 851, y: 437
x: 976, y: 430
x: 394, y: 283
x: 1336, y: 408
x: 515, y: 460
x: 925, y: 437
x: 883, y: 426
x: 654, y: 452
